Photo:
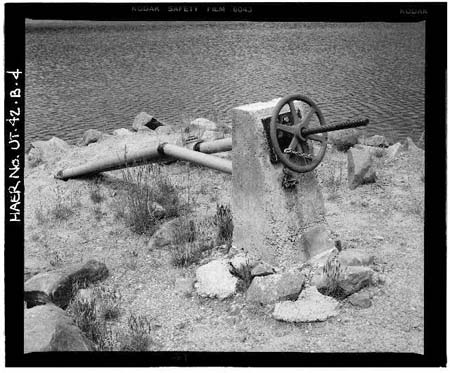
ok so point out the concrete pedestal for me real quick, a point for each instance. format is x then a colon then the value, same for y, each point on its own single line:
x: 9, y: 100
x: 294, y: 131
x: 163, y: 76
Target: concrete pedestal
x: 268, y: 220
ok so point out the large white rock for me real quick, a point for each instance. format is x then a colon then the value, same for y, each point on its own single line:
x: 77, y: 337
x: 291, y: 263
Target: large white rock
x: 214, y: 280
x: 203, y: 124
x: 310, y: 306
x: 393, y: 151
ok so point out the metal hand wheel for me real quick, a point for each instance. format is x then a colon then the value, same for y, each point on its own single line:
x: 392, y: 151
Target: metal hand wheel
x: 299, y: 155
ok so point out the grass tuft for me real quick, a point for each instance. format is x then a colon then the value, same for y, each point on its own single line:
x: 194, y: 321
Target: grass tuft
x: 224, y: 223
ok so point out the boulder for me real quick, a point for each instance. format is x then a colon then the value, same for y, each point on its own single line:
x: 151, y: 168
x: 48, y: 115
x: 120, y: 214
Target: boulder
x: 355, y: 258
x: 374, y: 151
x: 164, y: 130
x: 376, y: 140
x: 410, y: 146
x: 343, y: 139
x: 361, y: 300
x: 240, y: 261
x: 354, y: 278
x: 58, y: 285
x: 262, y: 269
x: 91, y: 136
x: 164, y: 235
x: 360, y: 169
x: 184, y: 286
x: 393, y: 151
x: 42, y: 151
x: 315, y: 241
x: 274, y: 288
x: 48, y: 328
x: 214, y: 280
x: 310, y: 306
x: 203, y: 124
x: 145, y: 120
x: 211, y: 135
x: 121, y: 132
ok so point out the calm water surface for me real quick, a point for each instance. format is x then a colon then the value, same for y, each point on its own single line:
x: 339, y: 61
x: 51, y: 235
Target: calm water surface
x: 101, y: 74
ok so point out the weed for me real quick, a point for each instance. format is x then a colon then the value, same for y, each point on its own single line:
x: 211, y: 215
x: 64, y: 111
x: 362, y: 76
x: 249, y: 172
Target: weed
x: 98, y: 214
x: 333, y: 274
x: 55, y: 259
x: 224, y: 223
x: 147, y: 189
x: 186, y: 254
x: 63, y: 208
x: 95, y: 194
x: 138, y: 338
x: 108, y: 305
x: 244, y: 274
x: 40, y: 215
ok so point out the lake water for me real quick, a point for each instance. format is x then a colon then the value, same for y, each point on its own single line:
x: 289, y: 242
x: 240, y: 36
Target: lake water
x: 101, y: 74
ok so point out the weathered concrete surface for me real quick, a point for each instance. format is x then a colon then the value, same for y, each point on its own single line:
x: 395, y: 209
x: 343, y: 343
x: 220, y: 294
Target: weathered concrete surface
x: 268, y: 220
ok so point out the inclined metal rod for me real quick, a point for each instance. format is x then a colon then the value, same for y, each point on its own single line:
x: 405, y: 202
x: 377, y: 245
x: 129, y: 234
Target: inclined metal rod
x: 143, y: 156
x: 335, y: 127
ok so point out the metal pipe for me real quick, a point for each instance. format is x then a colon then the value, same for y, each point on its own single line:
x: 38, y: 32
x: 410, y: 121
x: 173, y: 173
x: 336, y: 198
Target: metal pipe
x: 207, y: 160
x: 216, y: 146
x: 143, y: 156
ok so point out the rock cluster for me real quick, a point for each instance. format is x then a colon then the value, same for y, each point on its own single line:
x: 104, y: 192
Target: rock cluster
x: 46, y: 325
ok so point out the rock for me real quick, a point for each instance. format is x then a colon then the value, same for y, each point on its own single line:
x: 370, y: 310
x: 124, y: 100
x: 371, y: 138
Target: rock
x: 214, y: 280
x: 355, y: 258
x: 58, y: 285
x: 277, y: 287
x: 361, y: 300
x: 42, y: 151
x: 145, y: 120
x: 91, y: 136
x: 310, y: 306
x: 48, y: 328
x: 354, y: 278
x: 184, y: 286
x: 410, y: 146
x: 262, y: 269
x: 203, y: 124
x: 344, y: 139
x: 211, y: 136
x: 158, y: 210
x: 376, y: 140
x: 359, y: 168
x: 164, y: 130
x: 374, y: 151
x: 121, y: 132
x: 164, y: 235
x: 393, y: 151
x: 315, y: 241
x: 240, y: 261
x: 319, y: 279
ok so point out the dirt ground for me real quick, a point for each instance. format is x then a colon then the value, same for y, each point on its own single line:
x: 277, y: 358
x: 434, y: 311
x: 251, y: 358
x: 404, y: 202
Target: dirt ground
x: 384, y: 219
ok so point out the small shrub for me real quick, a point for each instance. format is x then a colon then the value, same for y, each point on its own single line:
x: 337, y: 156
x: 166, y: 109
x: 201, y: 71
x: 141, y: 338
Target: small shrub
x: 224, y: 223
x: 55, y: 259
x: 138, y: 338
x: 333, y: 273
x: 147, y: 188
x: 108, y: 303
x: 63, y: 208
x: 186, y: 254
x: 98, y: 214
x: 95, y: 194
x: 40, y: 215
x: 244, y: 274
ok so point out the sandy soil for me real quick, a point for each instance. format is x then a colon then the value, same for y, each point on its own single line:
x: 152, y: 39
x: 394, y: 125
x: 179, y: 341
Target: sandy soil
x: 384, y: 219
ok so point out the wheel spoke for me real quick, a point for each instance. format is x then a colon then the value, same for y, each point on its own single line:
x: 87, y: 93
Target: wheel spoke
x: 294, y: 143
x: 306, y: 120
x: 284, y: 128
x: 295, y: 117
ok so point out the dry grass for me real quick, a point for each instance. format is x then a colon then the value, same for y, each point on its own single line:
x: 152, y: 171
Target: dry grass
x: 149, y: 198
x: 224, y: 223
